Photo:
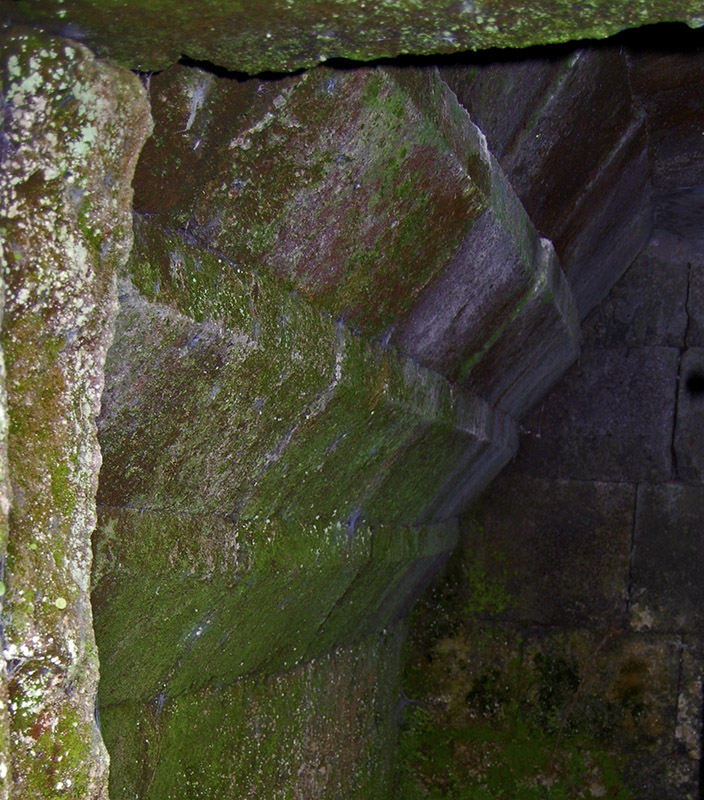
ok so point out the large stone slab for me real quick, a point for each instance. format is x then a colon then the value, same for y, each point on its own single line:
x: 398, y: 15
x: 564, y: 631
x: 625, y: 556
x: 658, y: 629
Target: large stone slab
x: 502, y: 93
x: 273, y: 408
x: 326, y: 729
x: 354, y: 186
x: 218, y: 600
x: 557, y: 551
x: 581, y: 431
x: 611, y: 222
x: 282, y: 36
x: 575, y: 150
x: 647, y: 305
x: 500, y: 319
x: 73, y: 127
x: 667, y: 592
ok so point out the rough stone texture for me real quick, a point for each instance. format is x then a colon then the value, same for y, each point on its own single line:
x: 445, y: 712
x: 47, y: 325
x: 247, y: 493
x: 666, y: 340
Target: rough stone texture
x: 560, y: 550
x: 611, y: 418
x: 503, y: 93
x: 284, y: 36
x: 647, y: 306
x: 574, y: 148
x: 5, y: 498
x: 667, y: 590
x: 500, y: 319
x: 354, y: 186
x: 507, y: 708
x: 227, y: 600
x: 326, y: 729
x: 612, y: 221
x: 66, y: 228
x: 325, y: 421
x: 665, y: 80
x: 695, y: 300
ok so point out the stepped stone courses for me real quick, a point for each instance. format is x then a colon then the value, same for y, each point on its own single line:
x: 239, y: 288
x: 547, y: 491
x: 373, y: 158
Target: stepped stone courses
x: 339, y: 292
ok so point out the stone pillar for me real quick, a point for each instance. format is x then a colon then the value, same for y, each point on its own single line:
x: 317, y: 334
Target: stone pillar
x: 72, y: 130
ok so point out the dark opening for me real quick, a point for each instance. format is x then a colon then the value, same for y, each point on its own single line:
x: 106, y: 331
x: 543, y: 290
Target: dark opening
x: 695, y: 383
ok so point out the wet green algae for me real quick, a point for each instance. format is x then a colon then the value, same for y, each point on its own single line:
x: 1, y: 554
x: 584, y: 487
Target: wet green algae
x: 286, y: 35
x: 66, y: 229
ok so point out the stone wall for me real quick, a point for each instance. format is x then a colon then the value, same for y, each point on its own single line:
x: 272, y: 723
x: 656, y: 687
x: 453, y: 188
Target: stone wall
x: 568, y: 629
x: 341, y: 298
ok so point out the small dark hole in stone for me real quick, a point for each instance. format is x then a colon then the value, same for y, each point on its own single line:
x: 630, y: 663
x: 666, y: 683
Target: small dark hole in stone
x: 695, y: 383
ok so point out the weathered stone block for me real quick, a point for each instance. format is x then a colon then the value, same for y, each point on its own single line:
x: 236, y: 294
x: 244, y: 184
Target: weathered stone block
x: 695, y: 306
x: 557, y: 551
x: 647, y: 305
x: 667, y: 592
x: 502, y: 97
x: 535, y: 345
x: 72, y: 130
x: 577, y: 126
x: 506, y: 708
x: 217, y: 600
x: 283, y: 37
x: 355, y: 186
x: 326, y: 729
x: 689, y: 430
x: 581, y: 430
x: 611, y: 222
x: 479, y: 466
x: 251, y: 362
x: 499, y: 319
x: 575, y: 150
x: 273, y: 410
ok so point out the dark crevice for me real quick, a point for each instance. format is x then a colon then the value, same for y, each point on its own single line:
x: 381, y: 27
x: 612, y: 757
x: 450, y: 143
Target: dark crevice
x: 223, y: 72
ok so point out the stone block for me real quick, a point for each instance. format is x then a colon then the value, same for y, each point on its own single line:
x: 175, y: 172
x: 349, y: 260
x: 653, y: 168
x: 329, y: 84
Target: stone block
x: 216, y: 394
x: 323, y: 729
x: 611, y: 222
x: 675, y: 120
x: 576, y: 128
x: 354, y: 186
x: 695, y: 306
x: 689, y: 428
x: 72, y: 130
x: 284, y: 37
x: 591, y: 198
x: 476, y: 470
x: 581, y: 430
x: 503, y: 287
x: 267, y: 406
x: 574, y: 708
x: 503, y: 97
x: 647, y: 306
x: 667, y: 592
x: 557, y: 552
x: 217, y: 599
x: 534, y: 347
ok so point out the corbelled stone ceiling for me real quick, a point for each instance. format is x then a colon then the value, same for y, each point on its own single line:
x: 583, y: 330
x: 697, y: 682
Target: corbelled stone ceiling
x: 286, y: 286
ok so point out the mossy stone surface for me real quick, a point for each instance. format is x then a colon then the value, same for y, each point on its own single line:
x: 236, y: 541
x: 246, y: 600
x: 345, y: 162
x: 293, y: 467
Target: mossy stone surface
x: 355, y: 186
x: 66, y: 229
x: 326, y: 729
x: 283, y: 35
